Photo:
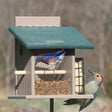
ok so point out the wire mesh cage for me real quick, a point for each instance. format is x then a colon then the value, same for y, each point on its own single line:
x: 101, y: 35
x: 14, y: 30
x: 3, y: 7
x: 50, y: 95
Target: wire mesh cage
x: 79, y: 75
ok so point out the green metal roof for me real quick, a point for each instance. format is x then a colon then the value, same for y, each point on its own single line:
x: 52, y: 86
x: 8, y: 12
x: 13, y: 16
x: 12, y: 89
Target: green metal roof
x: 50, y: 37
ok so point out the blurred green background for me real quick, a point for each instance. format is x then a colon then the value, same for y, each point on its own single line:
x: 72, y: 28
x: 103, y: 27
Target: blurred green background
x: 93, y: 18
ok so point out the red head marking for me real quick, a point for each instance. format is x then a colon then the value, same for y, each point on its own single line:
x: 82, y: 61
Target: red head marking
x: 101, y: 78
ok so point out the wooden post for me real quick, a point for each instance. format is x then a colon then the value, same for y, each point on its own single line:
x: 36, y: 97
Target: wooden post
x: 51, y: 105
x: 73, y: 73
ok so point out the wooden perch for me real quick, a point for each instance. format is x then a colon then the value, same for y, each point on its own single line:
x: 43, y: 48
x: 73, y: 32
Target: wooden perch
x: 42, y: 72
x: 50, y: 72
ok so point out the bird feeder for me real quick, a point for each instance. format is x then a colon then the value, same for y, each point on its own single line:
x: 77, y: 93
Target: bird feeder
x: 42, y: 35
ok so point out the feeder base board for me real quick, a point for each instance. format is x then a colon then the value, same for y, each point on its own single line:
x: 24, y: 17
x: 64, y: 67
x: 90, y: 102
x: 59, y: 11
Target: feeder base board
x: 50, y: 96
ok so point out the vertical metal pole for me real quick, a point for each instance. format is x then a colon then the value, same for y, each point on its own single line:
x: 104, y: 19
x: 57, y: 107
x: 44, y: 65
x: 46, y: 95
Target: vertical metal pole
x: 51, y: 105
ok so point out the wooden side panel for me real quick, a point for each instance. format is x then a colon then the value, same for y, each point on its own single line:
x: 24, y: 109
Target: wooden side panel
x: 30, y: 77
x: 33, y: 75
x: 23, y: 62
x: 37, y: 20
x: 20, y: 64
x: 22, y: 55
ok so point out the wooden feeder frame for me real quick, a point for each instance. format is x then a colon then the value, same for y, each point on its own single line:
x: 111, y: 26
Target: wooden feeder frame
x: 30, y: 73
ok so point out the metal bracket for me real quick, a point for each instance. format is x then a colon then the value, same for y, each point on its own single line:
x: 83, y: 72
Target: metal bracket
x: 16, y: 87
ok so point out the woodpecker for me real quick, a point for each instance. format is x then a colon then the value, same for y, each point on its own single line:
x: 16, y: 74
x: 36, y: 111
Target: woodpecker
x: 52, y: 59
x: 90, y: 88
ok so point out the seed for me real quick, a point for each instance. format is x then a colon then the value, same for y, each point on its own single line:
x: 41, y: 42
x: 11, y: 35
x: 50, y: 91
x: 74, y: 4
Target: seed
x: 52, y: 87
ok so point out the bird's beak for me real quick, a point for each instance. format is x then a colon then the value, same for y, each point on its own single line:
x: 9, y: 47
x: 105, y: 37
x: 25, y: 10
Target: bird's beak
x: 92, y: 73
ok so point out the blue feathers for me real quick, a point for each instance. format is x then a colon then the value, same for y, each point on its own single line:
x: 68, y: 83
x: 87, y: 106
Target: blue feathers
x: 53, y: 57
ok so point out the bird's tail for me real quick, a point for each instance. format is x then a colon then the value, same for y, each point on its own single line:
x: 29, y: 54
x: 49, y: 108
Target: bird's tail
x: 86, y: 103
x: 71, y: 102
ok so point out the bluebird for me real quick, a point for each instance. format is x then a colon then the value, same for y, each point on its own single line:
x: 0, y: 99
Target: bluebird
x: 52, y: 59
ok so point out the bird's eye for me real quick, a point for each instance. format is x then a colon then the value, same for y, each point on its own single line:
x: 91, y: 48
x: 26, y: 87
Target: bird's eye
x: 97, y: 75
